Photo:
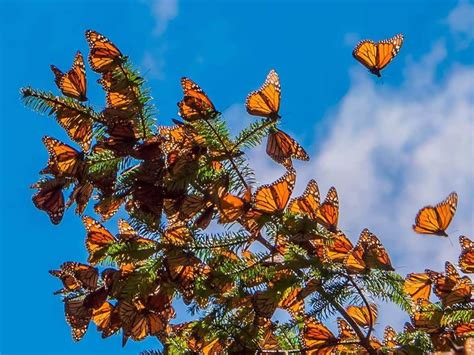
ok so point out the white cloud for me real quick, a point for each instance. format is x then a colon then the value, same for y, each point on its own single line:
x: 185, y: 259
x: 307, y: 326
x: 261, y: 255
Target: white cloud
x: 461, y: 22
x: 391, y: 150
x: 163, y: 11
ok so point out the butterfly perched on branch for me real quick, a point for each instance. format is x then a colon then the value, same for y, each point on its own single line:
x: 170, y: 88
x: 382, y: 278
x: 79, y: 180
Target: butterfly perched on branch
x: 73, y: 83
x: 195, y: 105
x: 466, y: 259
x: 104, y: 56
x: 376, y: 56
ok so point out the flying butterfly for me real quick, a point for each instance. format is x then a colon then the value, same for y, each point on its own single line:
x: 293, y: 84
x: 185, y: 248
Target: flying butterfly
x: 281, y: 148
x: 369, y: 253
x: 328, y: 212
x: 436, y: 219
x: 266, y: 100
x: 308, y: 203
x: 104, y: 56
x: 376, y: 56
x: 72, y: 83
x: 195, y: 104
x: 466, y: 259
x: 272, y: 198
x: 64, y: 160
x: 50, y: 198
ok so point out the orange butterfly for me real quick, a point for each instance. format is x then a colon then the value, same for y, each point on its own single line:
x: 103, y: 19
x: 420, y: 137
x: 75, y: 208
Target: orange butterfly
x: 376, y: 56
x: 78, y: 317
x: 281, y: 148
x: 328, y: 212
x: 50, y: 198
x: 436, y: 219
x: 417, y: 285
x: 451, y: 288
x: 233, y: 207
x: 195, y: 104
x: 390, y: 338
x: 98, y: 240
x: 317, y: 337
x: 266, y: 100
x: 64, y: 160
x: 336, y: 247
x: 368, y: 254
x: 107, y: 319
x: 363, y: 316
x: 76, y: 276
x: 272, y: 198
x: 72, y: 83
x: 466, y: 259
x: 464, y: 330
x: 81, y: 194
x: 426, y: 316
x: 108, y: 206
x: 104, y: 56
x: 308, y: 203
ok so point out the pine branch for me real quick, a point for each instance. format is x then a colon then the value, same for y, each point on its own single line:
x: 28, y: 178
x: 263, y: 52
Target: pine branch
x: 251, y: 136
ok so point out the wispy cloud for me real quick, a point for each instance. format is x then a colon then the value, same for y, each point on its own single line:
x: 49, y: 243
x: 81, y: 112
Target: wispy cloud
x: 461, y: 22
x: 163, y: 11
x: 153, y: 65
x: 391, y: 150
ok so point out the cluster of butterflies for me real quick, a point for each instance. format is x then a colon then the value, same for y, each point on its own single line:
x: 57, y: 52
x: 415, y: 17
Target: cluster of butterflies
x: 181, y: 173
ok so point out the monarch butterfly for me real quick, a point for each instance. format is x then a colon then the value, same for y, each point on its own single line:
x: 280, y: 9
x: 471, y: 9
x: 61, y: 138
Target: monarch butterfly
x: 316, y: 336
x: 464, y: 330
x: 98, y: 240
x: 183, y: 269
x: 345, y: 330
x: 64, y: 159
x: 122, y: 137
x: 50, y: 198
x: 328, y: 212
x: 75, y: 276
x: 107, y: 319
x: 293, y: 302
x: 426, y: 316
x: 450, y: 288
x: 81, y: 194
x: 104, y: 56
x: 368, y: 254
x: 269, y: 340
x: 149, y: 149
x: 125, y: 100
x: 128, y: 234
x: 113, y: 81
x: 390, y: 338
x: 363, y: 316
x: 281, y: 148
x: 233, y: 207
x: 108, y: 206
x: 78, y: 317
x: 272, y: 198
x: 417, y: 285
x: 265, y: 303
x: 436, y: 219
x: 266, y: 100
x: 466, y: 259
x: 308, y: 203
x: 337, y: 247
x: 72, y: 83
x: 195, y: 104
x: 376, y: 56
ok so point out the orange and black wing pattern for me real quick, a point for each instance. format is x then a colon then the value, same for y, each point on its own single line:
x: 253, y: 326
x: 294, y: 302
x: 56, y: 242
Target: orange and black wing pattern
x: 195, y: 104
x: 64, y: 160
x: 98, y: 240
x: 466, y: 259
x: 328, y: 212
x: 376, y: 56
x: 273, y: 197
x: 281, y: 148
x: 317, y: 338
x: 418, y: 286
x: 73, y: 83
x: 363, y: 316
x: 50, y: 198
x: 266, y: 100
x: 308, y: 203
x: 436, y: 219
x: 232, y: 207
x: 104, y: 56
x: 450, y: 287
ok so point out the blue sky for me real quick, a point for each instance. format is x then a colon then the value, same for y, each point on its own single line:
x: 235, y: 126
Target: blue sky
x: 390, y: 146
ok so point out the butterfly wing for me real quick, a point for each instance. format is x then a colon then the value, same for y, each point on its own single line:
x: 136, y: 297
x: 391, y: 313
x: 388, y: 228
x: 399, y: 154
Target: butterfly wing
x: 98, y: 240
x: 308, y: 203
x: 435, y: 220
x: 273, y: 197
x: 104, y: 56
x: 316, y: 335
x: 387, y: 50
x: 281, y: 148
x: 50, y: 199
x: 195, y: 104
x: 72, y: 83
x: 328, y: 212
x: 417, y: 285
x: 466, y: 259
x: 67, y: 160
x: 363, y: 316
x: 366, y: 53
x: 266, y: 100
x: 375, y: 255
x: 338, y: 248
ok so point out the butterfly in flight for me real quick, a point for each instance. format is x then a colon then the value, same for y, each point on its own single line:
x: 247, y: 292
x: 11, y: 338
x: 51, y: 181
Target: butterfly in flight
x: 376, y: 56
x: 72, y: 83
x: 436, y: 219
x: 265, y: 101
